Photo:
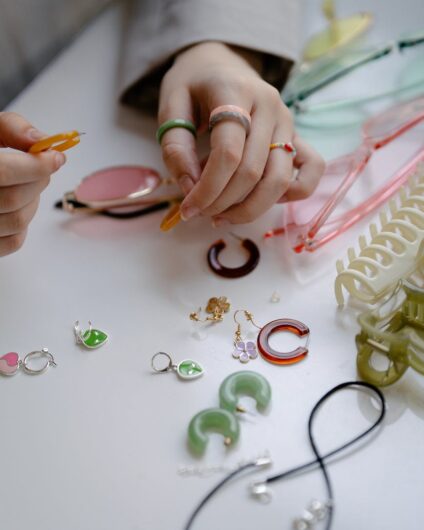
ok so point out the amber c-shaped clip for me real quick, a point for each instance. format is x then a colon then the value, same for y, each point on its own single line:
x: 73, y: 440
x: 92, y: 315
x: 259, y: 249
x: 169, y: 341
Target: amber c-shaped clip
x: 233, y: 272
x: 57, y: 142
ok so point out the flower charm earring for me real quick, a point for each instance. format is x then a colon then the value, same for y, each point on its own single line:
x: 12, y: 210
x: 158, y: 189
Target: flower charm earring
x: 90, y: 338
x: 244, y: 350
x: 216, y: 307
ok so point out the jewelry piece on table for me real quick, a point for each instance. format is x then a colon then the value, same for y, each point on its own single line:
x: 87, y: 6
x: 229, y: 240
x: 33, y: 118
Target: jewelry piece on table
x: 214, y: 419
x: 275, y: 297
x: 10, y: 363
x: 244, y: 383
x: 244, y: 350
x: 90, y: 338
x: 316, y: 512
x: 216, y: 307
x: 186, y: 369
x: 283, y: 324
x: 233, y: 272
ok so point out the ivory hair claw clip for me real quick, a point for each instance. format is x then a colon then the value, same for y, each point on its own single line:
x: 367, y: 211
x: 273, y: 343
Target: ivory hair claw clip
x: 395, y: 250
x: 397, y: 335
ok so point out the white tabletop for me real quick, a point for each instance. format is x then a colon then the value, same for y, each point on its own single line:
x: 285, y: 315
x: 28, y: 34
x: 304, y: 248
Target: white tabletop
x: 99, y: 442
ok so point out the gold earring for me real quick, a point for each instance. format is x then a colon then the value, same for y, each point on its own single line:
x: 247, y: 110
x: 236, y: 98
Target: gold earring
x: 217, y: 307
x: 244, y: 350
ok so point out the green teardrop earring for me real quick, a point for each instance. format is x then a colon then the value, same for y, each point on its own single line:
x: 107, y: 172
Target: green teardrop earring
x: 186, y: 369
x: 90, y: 338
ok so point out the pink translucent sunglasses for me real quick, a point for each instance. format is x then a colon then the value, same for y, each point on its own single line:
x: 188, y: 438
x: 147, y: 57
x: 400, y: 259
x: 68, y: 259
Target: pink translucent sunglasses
x: 371, y: 174
x: 121, y: 192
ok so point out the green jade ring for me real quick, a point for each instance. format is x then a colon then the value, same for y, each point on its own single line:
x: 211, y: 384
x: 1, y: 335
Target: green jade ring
x: 172, y: 124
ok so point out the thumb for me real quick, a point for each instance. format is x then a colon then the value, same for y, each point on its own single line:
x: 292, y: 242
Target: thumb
x: 17, y: 132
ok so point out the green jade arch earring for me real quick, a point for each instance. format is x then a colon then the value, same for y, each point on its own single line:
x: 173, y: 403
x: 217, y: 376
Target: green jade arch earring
x: 245, y: 383
x: 216, y: 420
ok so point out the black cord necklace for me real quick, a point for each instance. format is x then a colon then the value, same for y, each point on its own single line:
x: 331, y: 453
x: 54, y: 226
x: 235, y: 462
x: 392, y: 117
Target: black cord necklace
x: 259, y: 488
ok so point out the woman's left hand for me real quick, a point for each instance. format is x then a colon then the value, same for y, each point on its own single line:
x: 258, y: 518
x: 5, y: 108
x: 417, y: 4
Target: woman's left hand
x: 242, y: 178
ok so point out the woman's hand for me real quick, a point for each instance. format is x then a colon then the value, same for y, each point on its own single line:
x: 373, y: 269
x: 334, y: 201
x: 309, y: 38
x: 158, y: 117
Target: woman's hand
x: 22, y: 178
x: 242, y: 178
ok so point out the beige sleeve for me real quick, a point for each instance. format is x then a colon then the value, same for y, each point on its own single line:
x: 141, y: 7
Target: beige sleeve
x: 157, y: 29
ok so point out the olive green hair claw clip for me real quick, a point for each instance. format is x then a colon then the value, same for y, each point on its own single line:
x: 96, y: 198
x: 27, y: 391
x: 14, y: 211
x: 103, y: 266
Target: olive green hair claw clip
x: 216, y: 420
x: 397, y: 335
x: 245, y: 383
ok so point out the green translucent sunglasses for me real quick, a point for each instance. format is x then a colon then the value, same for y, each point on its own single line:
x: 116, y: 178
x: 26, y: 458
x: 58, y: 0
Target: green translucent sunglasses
x: 309, y: 78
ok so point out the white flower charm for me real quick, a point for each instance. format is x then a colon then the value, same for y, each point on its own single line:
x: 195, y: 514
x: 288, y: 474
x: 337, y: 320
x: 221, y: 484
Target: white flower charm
x: 244, y: 351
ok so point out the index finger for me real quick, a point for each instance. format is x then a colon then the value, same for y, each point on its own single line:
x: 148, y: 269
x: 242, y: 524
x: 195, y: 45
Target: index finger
x: 17, y: 132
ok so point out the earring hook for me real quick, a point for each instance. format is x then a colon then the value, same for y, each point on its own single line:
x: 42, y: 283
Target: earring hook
x: 247, y: 315
x: 171, y: 366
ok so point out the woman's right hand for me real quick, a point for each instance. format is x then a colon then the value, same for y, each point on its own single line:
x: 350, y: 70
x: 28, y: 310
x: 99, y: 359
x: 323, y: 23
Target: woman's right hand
x: 22, y: 178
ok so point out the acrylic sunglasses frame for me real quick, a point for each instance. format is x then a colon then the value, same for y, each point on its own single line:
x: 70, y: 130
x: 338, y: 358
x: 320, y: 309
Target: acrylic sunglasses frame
x: 364, y: 152
x: 72, y: 204
x: 295, y: 99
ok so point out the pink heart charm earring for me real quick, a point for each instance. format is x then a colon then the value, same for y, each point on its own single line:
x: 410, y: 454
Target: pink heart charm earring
x: 9, y: 363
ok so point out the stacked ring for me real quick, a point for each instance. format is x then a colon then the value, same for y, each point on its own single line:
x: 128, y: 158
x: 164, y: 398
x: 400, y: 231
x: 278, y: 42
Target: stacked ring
x: 172, y: 124
x: 230, y: 112
x: 287, y: 146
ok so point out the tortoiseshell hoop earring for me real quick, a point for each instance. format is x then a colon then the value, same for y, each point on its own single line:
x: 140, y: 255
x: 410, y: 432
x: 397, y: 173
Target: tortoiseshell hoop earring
x: 283, y: 324
x: 233, y: 272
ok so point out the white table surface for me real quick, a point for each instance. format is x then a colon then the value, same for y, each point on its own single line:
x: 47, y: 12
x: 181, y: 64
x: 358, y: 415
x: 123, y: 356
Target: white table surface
x: 97, y: 443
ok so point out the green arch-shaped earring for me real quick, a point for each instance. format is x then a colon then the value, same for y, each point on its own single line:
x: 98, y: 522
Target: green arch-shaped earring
x: 245, y: 383
x: 213, y: 419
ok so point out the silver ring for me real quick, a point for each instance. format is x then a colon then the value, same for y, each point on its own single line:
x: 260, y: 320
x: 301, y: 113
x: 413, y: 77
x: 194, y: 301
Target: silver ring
x: 167, y: 368
x: 230, y: 115
x: 49, y: 361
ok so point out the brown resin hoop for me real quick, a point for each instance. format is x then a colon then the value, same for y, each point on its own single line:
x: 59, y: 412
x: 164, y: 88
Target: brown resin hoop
x: 283, y: 324
x: 233, y: 272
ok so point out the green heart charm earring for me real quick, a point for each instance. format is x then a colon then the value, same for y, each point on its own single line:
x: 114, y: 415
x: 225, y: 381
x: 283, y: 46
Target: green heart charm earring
x: 90, y: 338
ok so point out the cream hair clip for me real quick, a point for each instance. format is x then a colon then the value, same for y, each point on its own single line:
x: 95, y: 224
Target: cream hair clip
x: 395, y: 251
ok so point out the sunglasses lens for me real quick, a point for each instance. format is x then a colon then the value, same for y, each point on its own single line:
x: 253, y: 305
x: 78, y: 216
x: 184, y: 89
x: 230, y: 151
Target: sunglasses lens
x: 116, y: 183
x: 321, y: 216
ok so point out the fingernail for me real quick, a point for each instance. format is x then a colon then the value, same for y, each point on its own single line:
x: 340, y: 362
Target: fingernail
x: 186, y: 184
x: 188, y: 212
x: 60, y: 159
x: 220, y: 221
x: 35, y: 134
